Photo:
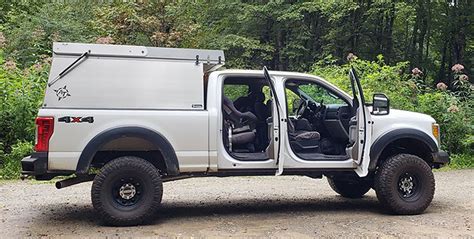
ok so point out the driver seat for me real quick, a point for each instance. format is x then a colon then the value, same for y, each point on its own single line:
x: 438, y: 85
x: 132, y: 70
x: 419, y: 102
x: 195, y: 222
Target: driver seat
x: 302, y: 137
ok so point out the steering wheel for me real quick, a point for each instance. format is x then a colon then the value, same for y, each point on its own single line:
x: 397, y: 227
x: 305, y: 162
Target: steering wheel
x: 301, y: 108
x: 321, y: 110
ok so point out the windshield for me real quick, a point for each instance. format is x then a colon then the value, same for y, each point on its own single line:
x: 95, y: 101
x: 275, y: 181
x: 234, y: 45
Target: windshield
x: 298, y: 91
x: 319, y: 94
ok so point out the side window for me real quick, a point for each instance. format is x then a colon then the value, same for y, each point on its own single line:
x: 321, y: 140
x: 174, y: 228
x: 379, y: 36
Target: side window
x: 267, y: 93
x: 233, y: 92
x: 319, y: 94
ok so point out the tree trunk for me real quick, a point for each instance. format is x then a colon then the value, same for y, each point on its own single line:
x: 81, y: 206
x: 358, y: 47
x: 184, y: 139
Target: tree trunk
x: 413, y: 44
x: 423, y: 29
x: 428, y: 32
x: 442, y: 67
x: 389, y: 34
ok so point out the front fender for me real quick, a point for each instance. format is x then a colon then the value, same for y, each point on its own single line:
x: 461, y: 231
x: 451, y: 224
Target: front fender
x: 384, y: 140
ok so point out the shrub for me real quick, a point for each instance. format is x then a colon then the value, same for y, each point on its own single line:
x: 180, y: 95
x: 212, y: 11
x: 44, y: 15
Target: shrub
x: 459, y: 161
x: 11, y: 167
x: 375, y: 77
x: 453, y: 110
x: 22, y: 94
x: 453, y: 117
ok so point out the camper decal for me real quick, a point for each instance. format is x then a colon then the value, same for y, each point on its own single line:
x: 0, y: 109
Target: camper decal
x: 62, y: 93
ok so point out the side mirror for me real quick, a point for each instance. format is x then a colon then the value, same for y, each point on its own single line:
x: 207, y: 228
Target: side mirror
x: 380, y: 104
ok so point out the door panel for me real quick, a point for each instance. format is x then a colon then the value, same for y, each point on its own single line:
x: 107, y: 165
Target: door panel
x: 276, y: 122
x: 361, y: 151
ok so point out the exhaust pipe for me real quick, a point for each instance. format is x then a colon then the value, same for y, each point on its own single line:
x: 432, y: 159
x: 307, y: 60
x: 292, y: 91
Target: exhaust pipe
x: 72, y: 181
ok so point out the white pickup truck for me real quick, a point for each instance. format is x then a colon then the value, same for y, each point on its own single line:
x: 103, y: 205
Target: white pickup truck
x: 132, y: 117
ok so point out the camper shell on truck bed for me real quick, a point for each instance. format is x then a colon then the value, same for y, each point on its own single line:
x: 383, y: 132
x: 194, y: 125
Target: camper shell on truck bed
x: 129, y: 77
x: 132, y: 117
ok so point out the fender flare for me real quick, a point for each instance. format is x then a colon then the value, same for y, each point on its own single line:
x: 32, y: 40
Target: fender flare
x: 169, y: 155
x: 384, y: 140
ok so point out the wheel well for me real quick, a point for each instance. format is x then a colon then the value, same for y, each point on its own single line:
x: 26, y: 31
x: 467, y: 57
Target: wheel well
x: 132, y: 141
x: 129, y: 146
x: 407, y: 145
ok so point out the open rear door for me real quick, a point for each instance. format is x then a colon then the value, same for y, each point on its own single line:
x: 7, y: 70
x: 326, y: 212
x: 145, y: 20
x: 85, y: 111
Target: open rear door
x: 360, y: 150
x: 276, y: 122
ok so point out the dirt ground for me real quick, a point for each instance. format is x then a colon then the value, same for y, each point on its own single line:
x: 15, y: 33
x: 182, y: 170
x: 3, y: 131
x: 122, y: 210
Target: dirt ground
x: 295, y: 207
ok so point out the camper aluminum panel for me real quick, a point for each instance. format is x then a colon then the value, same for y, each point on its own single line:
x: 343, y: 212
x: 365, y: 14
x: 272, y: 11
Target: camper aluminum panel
x: 126, y: 83
x: 204, y: 56
x: 62, y: 48
x: 127, y: 77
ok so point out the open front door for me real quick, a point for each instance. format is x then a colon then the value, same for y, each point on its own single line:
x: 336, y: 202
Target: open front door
x: 276, y: 122
x: 360, y: 150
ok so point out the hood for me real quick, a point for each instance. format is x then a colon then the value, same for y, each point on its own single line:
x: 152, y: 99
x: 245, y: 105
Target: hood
x: 401, y: 119
x: 405, y: 116
x: 411, y: 116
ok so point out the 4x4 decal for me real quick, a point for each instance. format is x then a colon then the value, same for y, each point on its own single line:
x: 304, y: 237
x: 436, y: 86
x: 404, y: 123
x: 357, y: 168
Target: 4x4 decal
x: 72, y: 119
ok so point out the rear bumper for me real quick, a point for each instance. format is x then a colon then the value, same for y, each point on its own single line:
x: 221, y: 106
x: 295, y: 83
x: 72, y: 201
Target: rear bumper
x: 441, y: 158
x: 37, y: 165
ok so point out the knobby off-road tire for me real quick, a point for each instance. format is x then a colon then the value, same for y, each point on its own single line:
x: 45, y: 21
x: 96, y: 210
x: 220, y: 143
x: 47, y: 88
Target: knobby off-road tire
x: 127, y: 191
x: 349, y: 189
x: 405, y: 184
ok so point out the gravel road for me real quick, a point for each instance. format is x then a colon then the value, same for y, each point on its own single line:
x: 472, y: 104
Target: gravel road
x: 296, y: 207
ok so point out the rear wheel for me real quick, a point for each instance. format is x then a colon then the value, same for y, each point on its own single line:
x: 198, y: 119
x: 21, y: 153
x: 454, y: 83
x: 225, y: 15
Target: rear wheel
x: 127, y: 191
x: 355, y: 188
x: 405, y: 184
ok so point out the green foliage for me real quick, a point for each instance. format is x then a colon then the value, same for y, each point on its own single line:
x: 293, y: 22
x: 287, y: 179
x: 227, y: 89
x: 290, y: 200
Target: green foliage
x: 454, y: 117
x: 22, y: 95
x: 11, y: 167
x: 453, y: 112
x: 375, y: 77
x: 152, y: 24
x: 460, y: 161
x: 248, y: 52
x: 317, y: 92
x: 235, y: 91
x: 30, y: 34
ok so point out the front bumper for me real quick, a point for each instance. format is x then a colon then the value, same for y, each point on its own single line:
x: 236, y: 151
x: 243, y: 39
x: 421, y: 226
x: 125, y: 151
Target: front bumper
x: 37, y: 165
x: 441, y: 158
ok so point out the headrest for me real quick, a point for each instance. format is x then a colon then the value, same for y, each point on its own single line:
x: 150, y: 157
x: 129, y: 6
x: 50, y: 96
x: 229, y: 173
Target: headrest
x: 259, y: 97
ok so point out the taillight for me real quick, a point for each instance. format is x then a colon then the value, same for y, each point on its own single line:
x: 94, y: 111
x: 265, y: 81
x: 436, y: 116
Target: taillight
x: 44, y: 131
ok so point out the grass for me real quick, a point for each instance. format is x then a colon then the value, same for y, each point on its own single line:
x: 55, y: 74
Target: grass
x: 460, y: 161
x: 10, y: 170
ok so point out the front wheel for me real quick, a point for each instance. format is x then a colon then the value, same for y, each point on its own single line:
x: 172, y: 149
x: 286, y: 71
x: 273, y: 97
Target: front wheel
x: 127, y: 191
x: 405, y: 184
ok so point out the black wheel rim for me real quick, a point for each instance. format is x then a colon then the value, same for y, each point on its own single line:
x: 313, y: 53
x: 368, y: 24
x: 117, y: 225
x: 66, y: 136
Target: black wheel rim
x: 127, y: 191
x: 408, y: 186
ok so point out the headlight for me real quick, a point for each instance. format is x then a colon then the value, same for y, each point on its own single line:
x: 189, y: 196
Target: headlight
x: 435, y: 131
